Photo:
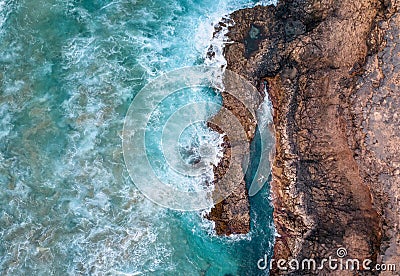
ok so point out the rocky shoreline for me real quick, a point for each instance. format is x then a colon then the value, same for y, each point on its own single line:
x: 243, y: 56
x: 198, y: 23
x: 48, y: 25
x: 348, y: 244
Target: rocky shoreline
x: 232, y: 214
x: 333, y: 75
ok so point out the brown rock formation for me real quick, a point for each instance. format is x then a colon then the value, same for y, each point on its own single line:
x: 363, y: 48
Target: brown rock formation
x: 333, y: 73
x: 375, y: 138
x: 232, y: 214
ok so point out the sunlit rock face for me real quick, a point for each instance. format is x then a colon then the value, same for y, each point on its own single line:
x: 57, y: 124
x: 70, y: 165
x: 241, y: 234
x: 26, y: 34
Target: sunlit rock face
x: 332, y: 74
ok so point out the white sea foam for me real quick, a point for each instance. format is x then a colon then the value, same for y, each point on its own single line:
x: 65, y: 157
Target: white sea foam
x: 6, y: 6
x: 76, y: 210
x: 217, y: 44
x: 3, y: 16
x: 5, y: 121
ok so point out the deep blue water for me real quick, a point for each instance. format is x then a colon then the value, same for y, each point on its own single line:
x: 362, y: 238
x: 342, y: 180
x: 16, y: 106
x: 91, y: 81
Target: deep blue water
x: 69, y: 70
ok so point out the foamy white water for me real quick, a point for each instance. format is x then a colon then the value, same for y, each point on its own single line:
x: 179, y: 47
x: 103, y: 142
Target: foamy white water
x: 69, y: 71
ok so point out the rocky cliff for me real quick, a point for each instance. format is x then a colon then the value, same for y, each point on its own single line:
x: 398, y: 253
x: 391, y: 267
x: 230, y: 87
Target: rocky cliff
x: 332, y: 69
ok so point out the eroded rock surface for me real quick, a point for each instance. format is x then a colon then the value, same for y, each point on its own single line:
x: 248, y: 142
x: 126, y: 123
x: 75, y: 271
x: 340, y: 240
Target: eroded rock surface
x: 332, y: 69
x: 232, y: 214
x: 375, y: 109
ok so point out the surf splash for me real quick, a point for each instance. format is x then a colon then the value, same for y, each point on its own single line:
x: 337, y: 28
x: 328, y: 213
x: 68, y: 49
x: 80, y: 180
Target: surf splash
x: 69, y: 72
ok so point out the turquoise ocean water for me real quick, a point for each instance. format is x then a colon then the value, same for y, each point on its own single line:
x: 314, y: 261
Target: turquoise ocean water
x: 68, y: 72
